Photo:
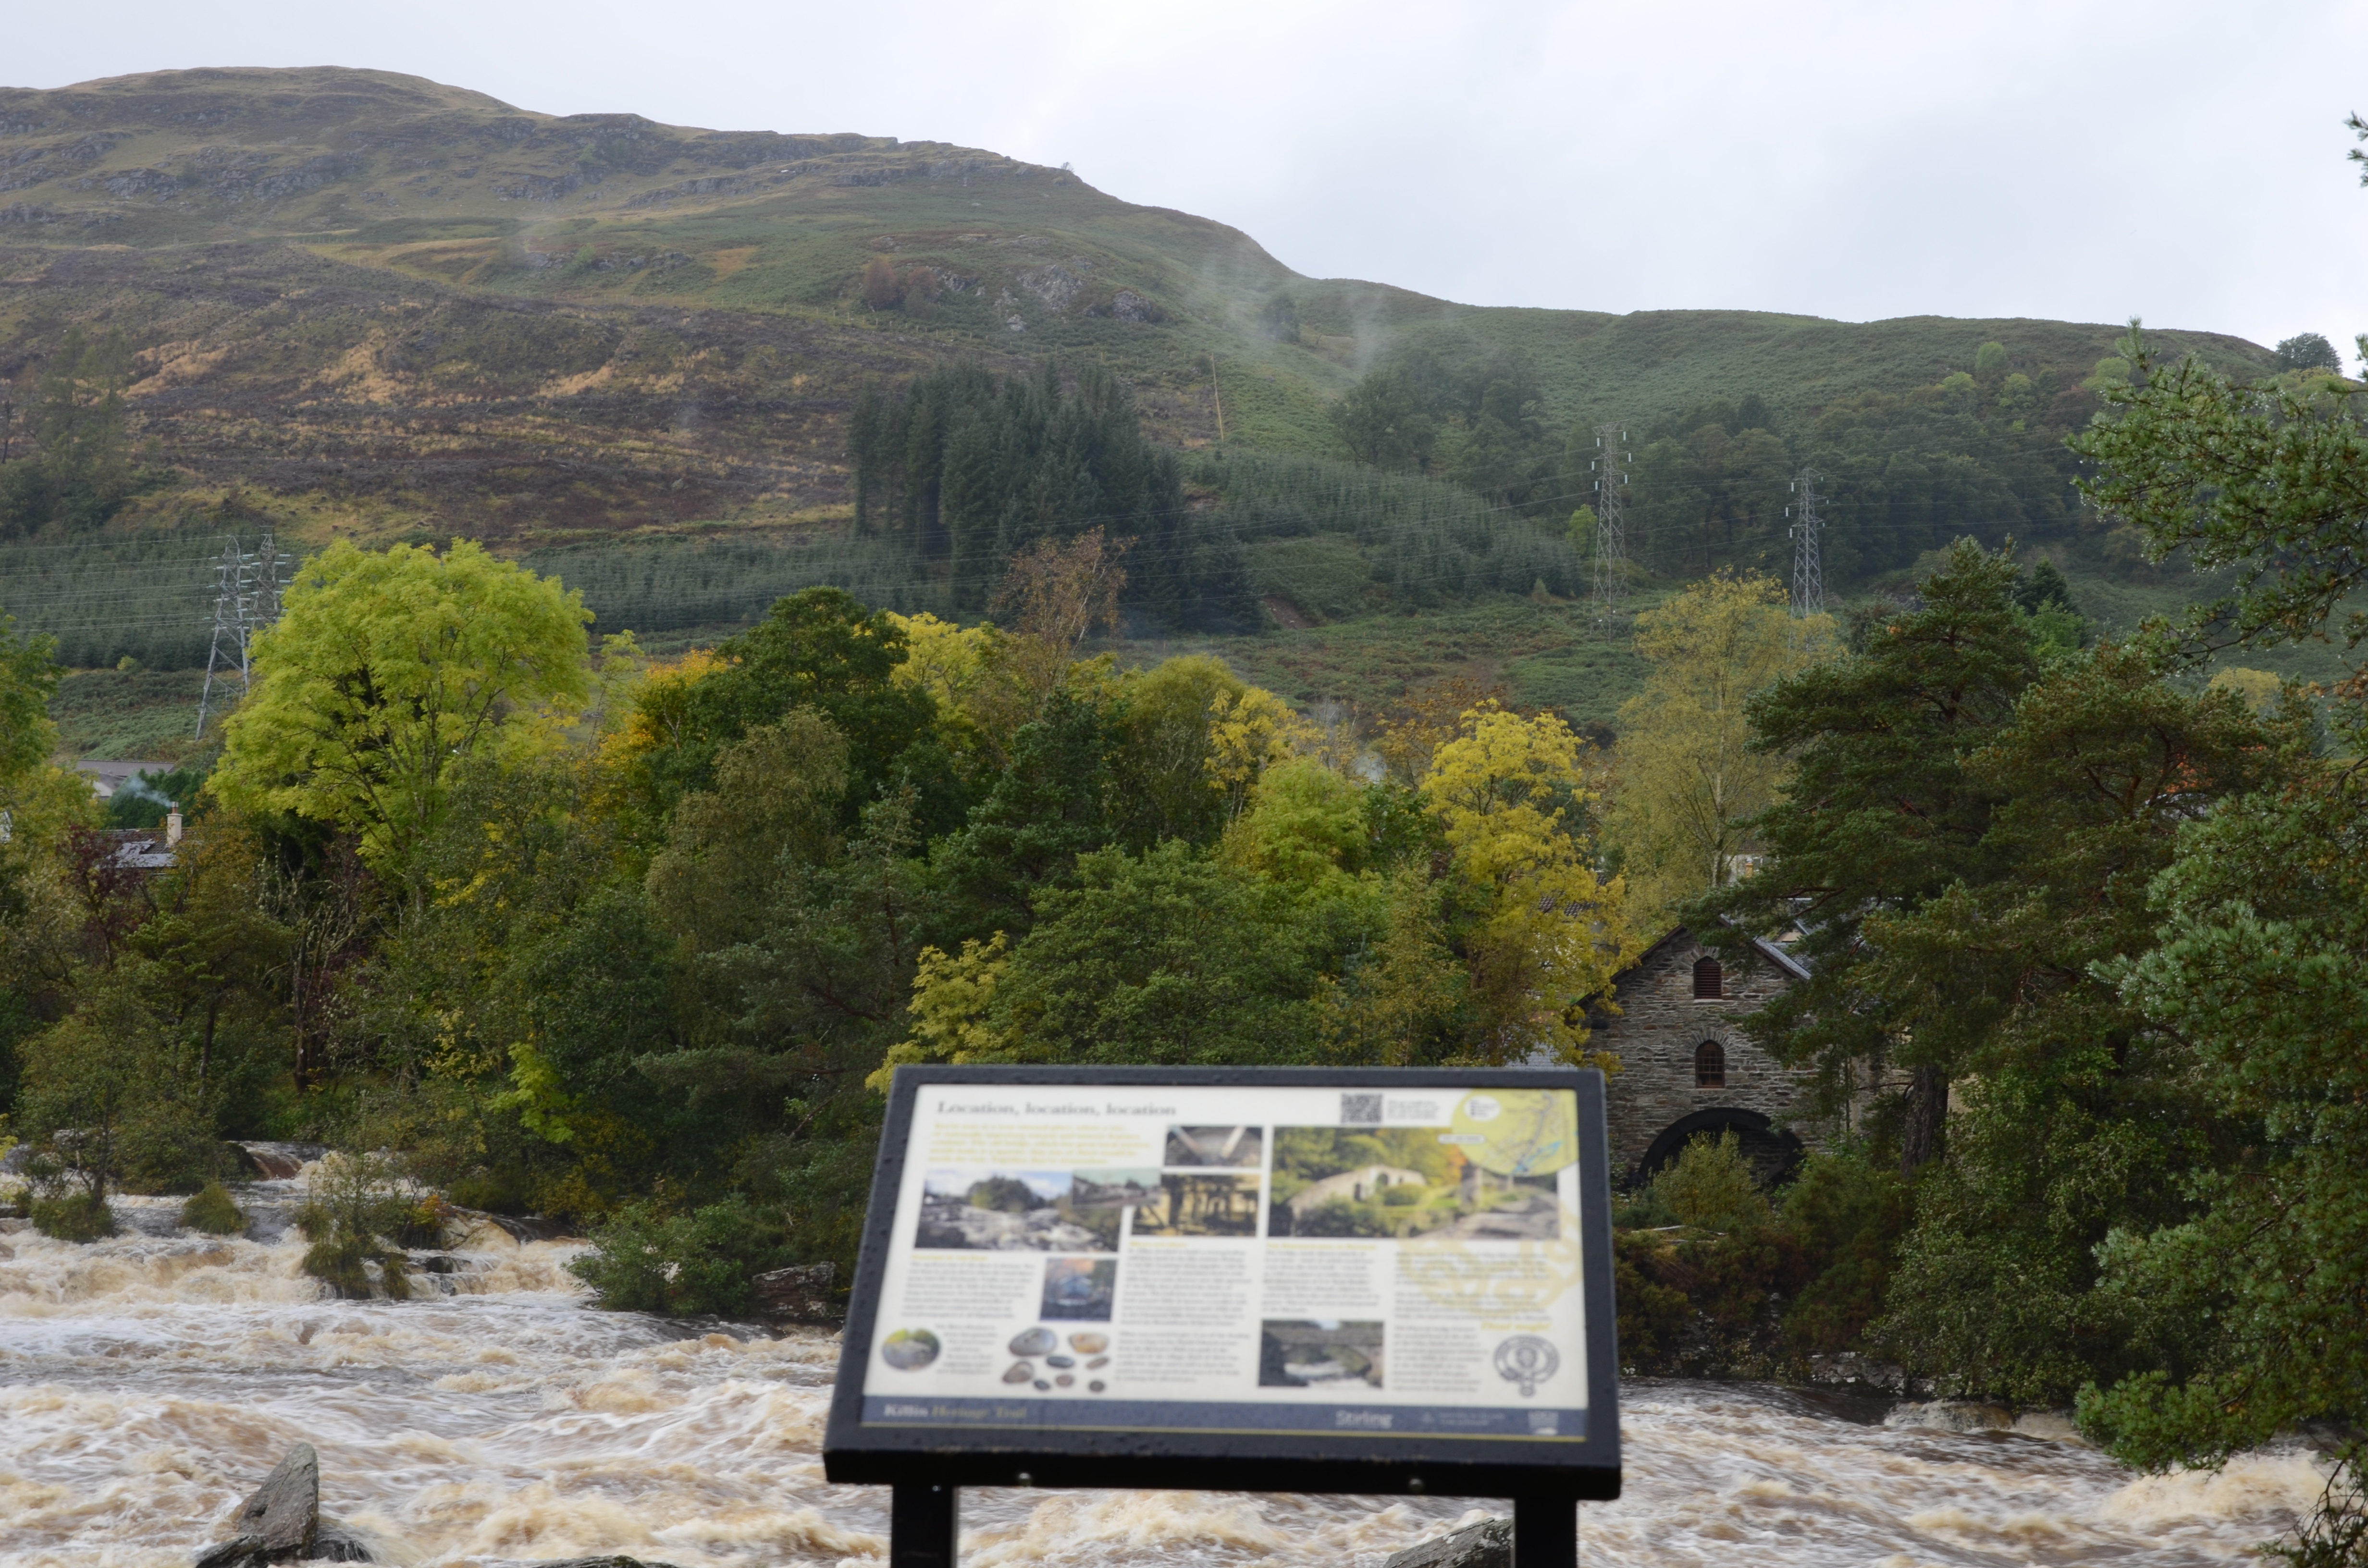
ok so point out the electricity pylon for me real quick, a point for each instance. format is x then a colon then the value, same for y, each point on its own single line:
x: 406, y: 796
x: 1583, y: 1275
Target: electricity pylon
x: 1809, y: 566
x: 246, y: 600
x: 1610, y: 467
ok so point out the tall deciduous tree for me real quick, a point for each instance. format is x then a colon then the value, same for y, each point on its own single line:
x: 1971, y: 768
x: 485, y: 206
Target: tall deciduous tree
x: 39, y: 800
x: 1538, y: 932
x: 1690, y: 778
x: 1058, y: 594
x: 386, y: 672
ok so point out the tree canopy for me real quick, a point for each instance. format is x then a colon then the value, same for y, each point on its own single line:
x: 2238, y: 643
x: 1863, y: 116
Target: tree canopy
x: 390, y: 669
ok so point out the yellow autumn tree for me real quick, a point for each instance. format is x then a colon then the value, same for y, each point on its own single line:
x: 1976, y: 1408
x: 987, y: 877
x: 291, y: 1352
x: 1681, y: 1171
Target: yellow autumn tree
x: 1539, y: 932
x: 1249, y: 731
x: 1688, y: 777
x: 953, y: 995
x: 974, y: 673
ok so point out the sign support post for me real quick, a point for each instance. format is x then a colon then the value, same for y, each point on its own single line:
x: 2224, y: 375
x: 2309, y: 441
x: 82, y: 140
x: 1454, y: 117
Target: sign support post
x: 1545, y: 1532
x: 923, y: 1521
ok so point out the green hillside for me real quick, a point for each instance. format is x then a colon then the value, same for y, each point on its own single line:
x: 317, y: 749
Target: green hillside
x: 369, y: 305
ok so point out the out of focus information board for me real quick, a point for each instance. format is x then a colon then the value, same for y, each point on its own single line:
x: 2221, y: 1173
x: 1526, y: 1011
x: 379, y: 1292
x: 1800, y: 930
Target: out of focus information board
x: 1377, y: 1280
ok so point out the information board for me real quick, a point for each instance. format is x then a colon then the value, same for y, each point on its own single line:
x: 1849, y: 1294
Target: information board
x: 1093, y: 1276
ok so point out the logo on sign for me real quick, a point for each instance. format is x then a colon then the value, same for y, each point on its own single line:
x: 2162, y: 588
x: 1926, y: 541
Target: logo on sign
x: 1527, y: 1360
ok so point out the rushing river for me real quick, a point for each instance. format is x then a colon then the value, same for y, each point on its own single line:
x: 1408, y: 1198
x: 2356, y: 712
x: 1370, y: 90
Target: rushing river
x: 148, y: 1382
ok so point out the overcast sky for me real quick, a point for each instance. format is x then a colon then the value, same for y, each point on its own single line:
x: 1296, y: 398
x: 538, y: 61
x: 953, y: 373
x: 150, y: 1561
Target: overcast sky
x: 2087, y: 159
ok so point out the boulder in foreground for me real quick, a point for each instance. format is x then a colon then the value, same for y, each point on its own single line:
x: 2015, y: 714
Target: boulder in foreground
x: 279, y: 1522
x: 1488, y: 1544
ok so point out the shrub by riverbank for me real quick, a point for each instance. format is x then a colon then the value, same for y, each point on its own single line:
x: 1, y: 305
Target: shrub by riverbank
x: 1718, y: 1278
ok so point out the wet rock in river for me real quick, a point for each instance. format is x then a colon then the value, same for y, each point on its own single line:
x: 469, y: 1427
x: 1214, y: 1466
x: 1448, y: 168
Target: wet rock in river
x: 801, y: 1293
x: 337, y: 1542
x: 1850, y: 1370
x: 1488, y: 1544
x: 1951, y: 1415
x: 445, y: 1263
x: 282, y: 1161
x: 279, y: 1522
x: 2055, y: 1425
x: 155, y: 1217
x: 283, y: 1522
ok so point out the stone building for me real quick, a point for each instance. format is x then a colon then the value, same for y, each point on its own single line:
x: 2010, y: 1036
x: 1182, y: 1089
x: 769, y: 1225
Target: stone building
x: 1354, y: 1185
x: 1686, y: 1067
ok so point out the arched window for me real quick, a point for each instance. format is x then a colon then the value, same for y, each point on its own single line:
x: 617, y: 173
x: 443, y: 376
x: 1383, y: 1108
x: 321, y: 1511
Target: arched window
x: 1710, y: 981
x: 1710, y: 1065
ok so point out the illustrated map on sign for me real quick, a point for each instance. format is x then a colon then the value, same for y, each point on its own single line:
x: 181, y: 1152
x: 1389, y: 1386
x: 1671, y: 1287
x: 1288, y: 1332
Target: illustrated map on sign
x: 1518, y: 1133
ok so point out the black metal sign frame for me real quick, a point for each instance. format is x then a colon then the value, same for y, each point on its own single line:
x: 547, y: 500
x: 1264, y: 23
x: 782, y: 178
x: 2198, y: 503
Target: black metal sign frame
x: 927, y: 1464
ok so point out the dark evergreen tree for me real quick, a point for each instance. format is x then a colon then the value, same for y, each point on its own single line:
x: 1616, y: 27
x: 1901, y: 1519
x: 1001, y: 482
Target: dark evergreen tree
x: 1050, y: 806
x: 1882, y: 817
x: 969, y: 469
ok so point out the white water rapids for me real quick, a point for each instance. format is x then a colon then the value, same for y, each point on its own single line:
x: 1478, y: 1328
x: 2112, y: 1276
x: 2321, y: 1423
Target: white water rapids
x: 147, y: 1384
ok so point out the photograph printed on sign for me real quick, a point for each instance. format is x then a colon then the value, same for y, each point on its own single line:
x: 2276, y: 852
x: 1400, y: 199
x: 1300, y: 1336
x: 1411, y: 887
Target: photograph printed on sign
x: 1400, y: 1183
x: 1241, y: 1147
x: 909, y: 1349
x: 1297, y: 1353
x: 1197, y: 1204
x: 992, y: 1211
x: 1079, y: 1288
x: 1112, y: 1190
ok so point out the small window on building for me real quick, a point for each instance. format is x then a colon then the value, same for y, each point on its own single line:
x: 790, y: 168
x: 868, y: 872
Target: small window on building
x: 1710, y: 981
x: 1710, y: 1065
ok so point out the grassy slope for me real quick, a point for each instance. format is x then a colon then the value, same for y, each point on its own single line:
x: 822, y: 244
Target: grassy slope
x: 146, y: 714
x: 371, y: 305
x: 355, y: 286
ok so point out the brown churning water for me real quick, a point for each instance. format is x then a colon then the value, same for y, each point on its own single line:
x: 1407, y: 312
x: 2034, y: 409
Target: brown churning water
x: 147, y: 1384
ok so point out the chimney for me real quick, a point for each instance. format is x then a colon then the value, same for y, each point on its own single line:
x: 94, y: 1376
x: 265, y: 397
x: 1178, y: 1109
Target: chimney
x: 171, y: 825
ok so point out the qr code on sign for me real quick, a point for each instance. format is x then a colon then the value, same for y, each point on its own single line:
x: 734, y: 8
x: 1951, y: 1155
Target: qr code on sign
x: 1360, y: 1110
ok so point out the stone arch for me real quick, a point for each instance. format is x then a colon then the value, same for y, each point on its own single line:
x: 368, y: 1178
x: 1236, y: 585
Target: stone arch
x: 1772, y: 1151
